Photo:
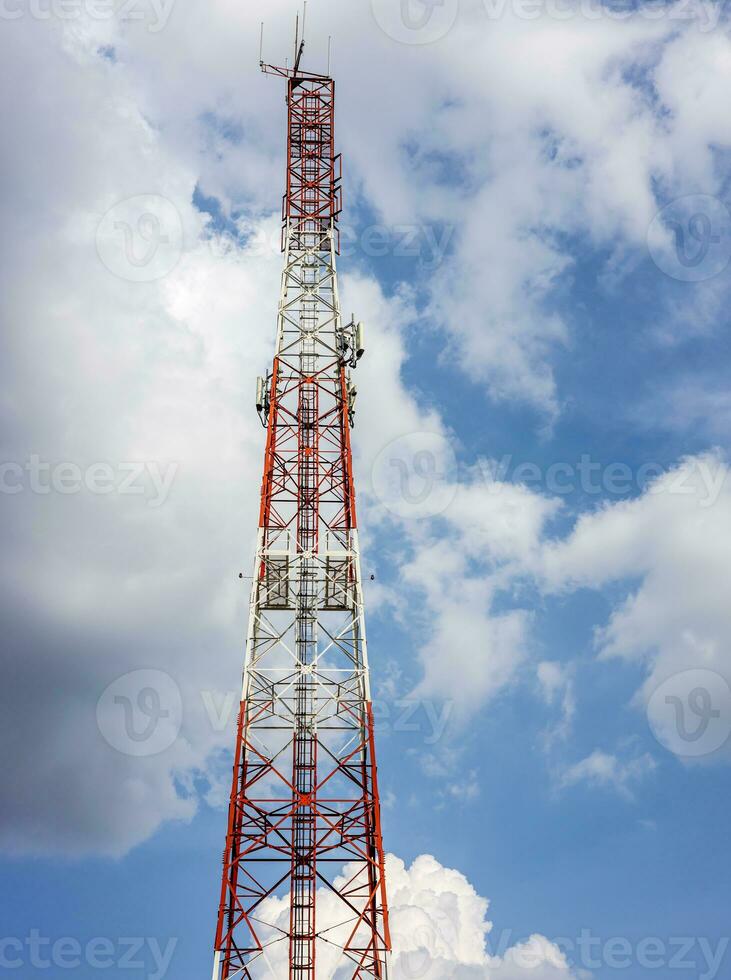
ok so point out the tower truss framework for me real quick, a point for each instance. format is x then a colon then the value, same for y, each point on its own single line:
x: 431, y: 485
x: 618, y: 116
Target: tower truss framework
x: 303, y: 892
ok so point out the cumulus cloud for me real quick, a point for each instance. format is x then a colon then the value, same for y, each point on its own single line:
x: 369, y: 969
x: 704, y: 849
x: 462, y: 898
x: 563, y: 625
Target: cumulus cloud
x: 663, y: 553
x: 556, y: 683
x: 669, y: 548
x: 471, y: 650
x: 439, y: 929
x: 101, y: 369
x: 609, y: 771
x: 519, y: 166
x: 576, y: 147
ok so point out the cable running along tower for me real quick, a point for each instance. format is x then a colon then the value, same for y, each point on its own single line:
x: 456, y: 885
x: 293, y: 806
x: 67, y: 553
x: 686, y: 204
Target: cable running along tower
x: 303, y: 894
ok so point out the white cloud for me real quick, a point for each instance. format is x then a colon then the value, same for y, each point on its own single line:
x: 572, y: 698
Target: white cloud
x: 439, y: 930
x: 537, y: 956
x: 670, y: 546
x: 519, y: 162
x: 692, y: 403
x: 97, y: 368
x: 573, y: 147
x: 557, y: 687
x: 470, y: 650
x: 551, y: 676
x: 609, y: 771
x: 663, y: 553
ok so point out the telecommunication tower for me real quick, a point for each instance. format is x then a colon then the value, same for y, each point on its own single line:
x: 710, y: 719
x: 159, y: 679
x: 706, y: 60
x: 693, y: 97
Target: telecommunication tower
x: 304, y: 893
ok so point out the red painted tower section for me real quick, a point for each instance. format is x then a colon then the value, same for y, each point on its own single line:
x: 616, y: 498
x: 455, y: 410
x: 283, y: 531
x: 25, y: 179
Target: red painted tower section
x: 303, y: 893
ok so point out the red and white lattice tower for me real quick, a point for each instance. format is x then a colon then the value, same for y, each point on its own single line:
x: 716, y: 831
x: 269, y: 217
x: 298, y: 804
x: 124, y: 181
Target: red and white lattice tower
x: 304, y: 893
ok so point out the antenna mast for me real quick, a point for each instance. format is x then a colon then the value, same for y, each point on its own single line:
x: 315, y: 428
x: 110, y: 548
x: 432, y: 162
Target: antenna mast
x: 304, y: 799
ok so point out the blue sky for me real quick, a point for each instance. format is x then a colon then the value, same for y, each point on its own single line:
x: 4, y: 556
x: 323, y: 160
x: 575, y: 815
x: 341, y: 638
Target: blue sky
x: 537, y: 235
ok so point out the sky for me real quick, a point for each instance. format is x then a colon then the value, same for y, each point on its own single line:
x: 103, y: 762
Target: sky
x: 537, y: 235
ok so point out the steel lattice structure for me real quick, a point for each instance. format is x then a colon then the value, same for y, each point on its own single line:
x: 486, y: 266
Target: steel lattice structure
x: 304, y: 865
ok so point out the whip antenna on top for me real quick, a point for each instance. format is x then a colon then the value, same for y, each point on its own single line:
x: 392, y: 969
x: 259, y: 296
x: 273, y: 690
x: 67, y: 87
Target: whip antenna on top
x: 295, y: 70
x: 299, y: 45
